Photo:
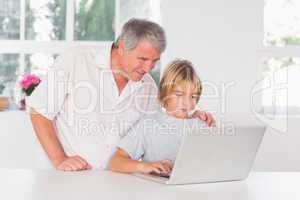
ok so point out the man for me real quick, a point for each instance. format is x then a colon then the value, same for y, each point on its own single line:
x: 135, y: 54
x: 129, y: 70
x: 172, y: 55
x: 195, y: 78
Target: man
x: 91, y: 97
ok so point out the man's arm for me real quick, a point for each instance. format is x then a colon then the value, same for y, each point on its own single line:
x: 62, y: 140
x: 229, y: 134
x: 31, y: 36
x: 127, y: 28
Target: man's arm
x: 47, y: 137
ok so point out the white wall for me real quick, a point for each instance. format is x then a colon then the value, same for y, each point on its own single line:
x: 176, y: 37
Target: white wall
x: 223, y: 39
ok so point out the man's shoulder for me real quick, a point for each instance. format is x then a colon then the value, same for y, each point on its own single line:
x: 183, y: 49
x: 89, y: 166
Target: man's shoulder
x: 94, y: 55
x: 69, y: 55
x: 85, y: 50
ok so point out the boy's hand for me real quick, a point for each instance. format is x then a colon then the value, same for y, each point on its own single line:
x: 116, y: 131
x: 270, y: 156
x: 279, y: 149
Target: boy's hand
x: 73, y: 163
x: 159, y: 167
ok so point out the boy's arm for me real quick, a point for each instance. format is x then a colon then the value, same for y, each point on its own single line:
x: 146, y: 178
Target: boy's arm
x: 121, y: 162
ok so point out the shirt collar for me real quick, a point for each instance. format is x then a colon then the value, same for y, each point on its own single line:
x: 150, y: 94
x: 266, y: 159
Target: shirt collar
x: 102, y: 58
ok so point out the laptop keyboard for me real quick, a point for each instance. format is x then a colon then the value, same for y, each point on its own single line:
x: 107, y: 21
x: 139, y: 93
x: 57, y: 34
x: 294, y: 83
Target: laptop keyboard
x: 160, y: 175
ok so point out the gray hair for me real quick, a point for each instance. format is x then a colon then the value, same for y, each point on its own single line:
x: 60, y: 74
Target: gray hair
x: 136, y: 30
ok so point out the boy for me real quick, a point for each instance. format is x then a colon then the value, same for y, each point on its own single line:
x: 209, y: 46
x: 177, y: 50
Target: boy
x: 151, y: 146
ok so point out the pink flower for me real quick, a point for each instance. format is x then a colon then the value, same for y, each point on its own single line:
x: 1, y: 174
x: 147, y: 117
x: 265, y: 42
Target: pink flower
x: 29, y: 80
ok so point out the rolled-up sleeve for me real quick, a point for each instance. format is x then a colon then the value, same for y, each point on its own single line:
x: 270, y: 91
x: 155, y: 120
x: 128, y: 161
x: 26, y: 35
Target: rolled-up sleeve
x: 48, y: 97
x: 134, y: 143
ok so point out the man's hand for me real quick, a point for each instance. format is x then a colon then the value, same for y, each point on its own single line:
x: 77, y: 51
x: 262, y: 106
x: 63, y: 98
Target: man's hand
x: 163, y: 167
x: 205, y: 116
x: 73, y: 163
x: 46, y: 134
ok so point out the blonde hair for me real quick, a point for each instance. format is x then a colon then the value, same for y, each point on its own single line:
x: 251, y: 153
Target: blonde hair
x: 178, y: 72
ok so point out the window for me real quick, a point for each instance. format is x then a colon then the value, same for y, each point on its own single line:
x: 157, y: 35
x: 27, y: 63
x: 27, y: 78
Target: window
x: 282, y: 75
x: 146, y: 9
x: 9, y: 19
x: 281, y: 56
x: 34, y: 32
x: 9, y: 66
x: 282, y: 22
x: 90, y: 16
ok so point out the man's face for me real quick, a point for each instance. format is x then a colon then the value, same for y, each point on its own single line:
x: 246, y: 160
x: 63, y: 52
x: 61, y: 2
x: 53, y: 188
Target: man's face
x: 137, y: 62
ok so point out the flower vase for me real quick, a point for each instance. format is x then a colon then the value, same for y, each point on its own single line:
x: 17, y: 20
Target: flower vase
x: 22, y: 104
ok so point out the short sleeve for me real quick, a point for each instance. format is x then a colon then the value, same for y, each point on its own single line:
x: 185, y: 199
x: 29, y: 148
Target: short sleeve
x: 134, y: 142
x: 49, y: 96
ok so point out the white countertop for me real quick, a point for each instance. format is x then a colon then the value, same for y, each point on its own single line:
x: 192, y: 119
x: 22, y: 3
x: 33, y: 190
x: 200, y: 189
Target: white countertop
x: 39, y: 184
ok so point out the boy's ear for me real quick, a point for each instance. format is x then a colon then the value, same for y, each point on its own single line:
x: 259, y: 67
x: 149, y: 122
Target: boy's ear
x: 165, y: 104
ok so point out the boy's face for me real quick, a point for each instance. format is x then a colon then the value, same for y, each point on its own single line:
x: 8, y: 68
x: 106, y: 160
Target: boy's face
x: 138, y: 61
x: 181, y: 101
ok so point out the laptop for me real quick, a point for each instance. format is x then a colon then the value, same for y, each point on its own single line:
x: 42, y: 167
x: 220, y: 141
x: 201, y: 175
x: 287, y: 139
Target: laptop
x: 214, y: 155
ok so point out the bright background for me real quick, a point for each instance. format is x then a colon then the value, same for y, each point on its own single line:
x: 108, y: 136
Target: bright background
x: 235, y: 46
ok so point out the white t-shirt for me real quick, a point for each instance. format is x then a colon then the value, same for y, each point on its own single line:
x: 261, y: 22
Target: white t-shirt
x: 158, y: 137
x: 80, y: 95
